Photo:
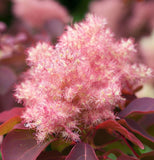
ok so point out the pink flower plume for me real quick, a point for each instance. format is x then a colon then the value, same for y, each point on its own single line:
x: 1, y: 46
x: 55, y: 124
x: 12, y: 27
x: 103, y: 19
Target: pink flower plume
x: 79, y: 81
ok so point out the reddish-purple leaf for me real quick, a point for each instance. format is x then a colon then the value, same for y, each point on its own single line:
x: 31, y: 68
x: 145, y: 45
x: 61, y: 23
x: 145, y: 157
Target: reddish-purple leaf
x: 140, y: 105
x: 21, y: 145
x: 113, y: 125
x: 7, y: 101
x: 147, y: 120
x: 147, y: 156
x: 20, y: 125
x: 135, y: 127
x: 82, y: 151
x: 50, y: 155
x: 102, y: 137
x: 6, y: 115
x: 7, y: 79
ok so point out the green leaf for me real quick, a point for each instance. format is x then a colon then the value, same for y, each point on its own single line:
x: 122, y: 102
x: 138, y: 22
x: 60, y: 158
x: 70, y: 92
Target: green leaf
x: 119, y: 154
x: 145, y: 150
x: 112, y: 156
x: 122, y: 147
x: 0, y: 156
x: 59, y: 145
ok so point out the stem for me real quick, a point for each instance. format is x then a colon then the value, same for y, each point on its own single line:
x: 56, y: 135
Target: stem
x: 124, y: 139
x: 89, y: 132
x: 104, y: 158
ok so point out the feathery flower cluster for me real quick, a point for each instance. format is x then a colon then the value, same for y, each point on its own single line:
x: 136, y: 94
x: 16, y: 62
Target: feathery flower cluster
x: 79, y: 81
x: 32, y: 12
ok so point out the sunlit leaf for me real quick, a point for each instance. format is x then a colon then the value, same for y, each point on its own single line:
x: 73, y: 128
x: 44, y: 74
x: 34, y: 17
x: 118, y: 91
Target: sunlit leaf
x: 6, y: 115
x: 21, y: 145
x: 140, y: 105
x: 9, y: 124
x: 82, y: 151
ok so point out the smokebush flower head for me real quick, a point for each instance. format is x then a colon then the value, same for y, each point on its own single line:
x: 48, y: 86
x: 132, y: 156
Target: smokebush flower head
x: 32, y: 12
x: 79, y: 81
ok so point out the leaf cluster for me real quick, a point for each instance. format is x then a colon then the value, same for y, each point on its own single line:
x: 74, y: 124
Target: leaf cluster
x: 128, y: 137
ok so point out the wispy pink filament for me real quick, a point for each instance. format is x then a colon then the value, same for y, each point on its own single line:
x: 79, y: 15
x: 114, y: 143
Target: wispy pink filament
x: 79, y: 81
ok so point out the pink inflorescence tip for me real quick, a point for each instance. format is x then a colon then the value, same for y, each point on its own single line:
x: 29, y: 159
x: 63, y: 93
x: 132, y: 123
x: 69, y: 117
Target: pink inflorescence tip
x: 79, y: 81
